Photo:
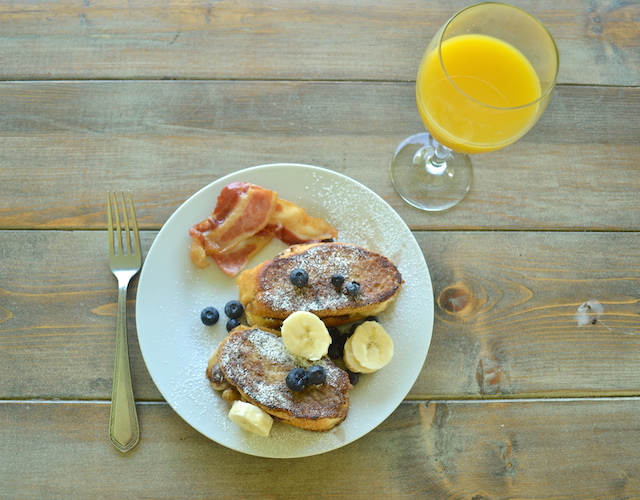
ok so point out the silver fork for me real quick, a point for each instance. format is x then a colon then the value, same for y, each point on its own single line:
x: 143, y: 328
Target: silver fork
x: 125, y: 260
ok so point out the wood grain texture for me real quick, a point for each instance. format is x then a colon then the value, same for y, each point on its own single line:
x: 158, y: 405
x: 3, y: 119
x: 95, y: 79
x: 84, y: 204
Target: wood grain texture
x: 506, y: 306
x: 287, y: 39
x: 450, y: 450
x: 63, y: 144
x: 505, y: 321
x: 58, y: 307
x: 516, y: 398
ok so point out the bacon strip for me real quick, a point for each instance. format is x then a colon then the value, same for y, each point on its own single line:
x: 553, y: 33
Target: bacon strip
x: 244, y: 221
x: 234, y: 259
x: 242, y: 211
x: 292, y: 225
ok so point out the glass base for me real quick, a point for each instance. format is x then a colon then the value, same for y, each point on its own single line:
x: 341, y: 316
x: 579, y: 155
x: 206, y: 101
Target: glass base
x: 429, y: 181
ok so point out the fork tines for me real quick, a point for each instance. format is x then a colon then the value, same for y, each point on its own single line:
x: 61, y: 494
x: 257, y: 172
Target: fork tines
x: 130, y: 222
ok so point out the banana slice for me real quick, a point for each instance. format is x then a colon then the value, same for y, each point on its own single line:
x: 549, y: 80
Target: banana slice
x: 305, y: 335
x: 351, y: 362
x: 231, y: 394
x: 216, y: 378
x: 251, y: 418
x: 213, y: 359
x: 370, y: 346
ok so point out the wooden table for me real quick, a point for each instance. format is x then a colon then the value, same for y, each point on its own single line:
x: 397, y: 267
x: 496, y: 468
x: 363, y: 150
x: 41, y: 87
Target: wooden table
x: 515, y: 400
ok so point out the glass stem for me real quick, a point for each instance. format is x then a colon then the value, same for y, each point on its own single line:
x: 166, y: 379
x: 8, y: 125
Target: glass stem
x: 440, y: 154
x: 436, y: 163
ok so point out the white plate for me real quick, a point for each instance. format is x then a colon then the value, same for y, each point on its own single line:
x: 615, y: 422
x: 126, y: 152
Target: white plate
x: 172, y: 292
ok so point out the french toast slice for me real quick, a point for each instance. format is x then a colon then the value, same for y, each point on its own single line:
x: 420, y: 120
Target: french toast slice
x: 256, y: 363
x: 269, y: 296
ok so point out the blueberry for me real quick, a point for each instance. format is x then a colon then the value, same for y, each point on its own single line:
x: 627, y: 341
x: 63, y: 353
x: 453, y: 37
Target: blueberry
x: 297, y: 379
x: 334, y: 331
x: 337, y: 280
x: 336, y: 350
x: 232, y: 323
x: 352, y: 330
x: 353, y: 377
x: 299, y: 277
x: 353, y: 289
x: 373, y: 318
x: 209, y: 316
x: 317, y: 374
x: 234, y: 309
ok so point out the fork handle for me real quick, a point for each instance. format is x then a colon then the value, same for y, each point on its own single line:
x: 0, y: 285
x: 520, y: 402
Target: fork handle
x: 123, y: 420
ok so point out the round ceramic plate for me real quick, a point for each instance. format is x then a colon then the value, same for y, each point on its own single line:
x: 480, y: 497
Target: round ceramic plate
x: 172, y: 291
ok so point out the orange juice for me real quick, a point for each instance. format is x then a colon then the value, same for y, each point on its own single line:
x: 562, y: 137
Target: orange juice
x: 485, y: 102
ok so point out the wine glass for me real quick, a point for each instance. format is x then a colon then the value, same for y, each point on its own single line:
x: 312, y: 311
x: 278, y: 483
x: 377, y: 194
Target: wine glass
x: 483, y: 82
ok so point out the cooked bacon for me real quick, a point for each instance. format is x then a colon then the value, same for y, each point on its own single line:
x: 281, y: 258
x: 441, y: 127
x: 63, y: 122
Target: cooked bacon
x: 244, y: 220
x: 242, y: 210
x: 292, y: 225
x: 233, y: 260
x: 198, y: 254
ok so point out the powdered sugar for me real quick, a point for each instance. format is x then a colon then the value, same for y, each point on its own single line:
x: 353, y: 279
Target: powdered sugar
x: 257, y: 362
x: 278, y: 294
x: 171, y: 293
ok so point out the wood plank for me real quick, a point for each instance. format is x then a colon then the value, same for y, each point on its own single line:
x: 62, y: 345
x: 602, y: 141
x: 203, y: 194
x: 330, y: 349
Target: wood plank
x: 57, y: 320
x: 505, y: 321
x: 287, y: 39
x: 506, y: 306
x: 446, y: 449
x: 63, y: 144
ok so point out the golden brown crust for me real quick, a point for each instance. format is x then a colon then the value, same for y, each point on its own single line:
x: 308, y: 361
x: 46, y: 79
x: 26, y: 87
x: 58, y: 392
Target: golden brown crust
x: 256, y: 363
x: 269, y: 296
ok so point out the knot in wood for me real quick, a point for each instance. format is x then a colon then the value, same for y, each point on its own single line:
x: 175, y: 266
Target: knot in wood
x: 5, y: 314
x: 457, y: 299
x: 489, y: 376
